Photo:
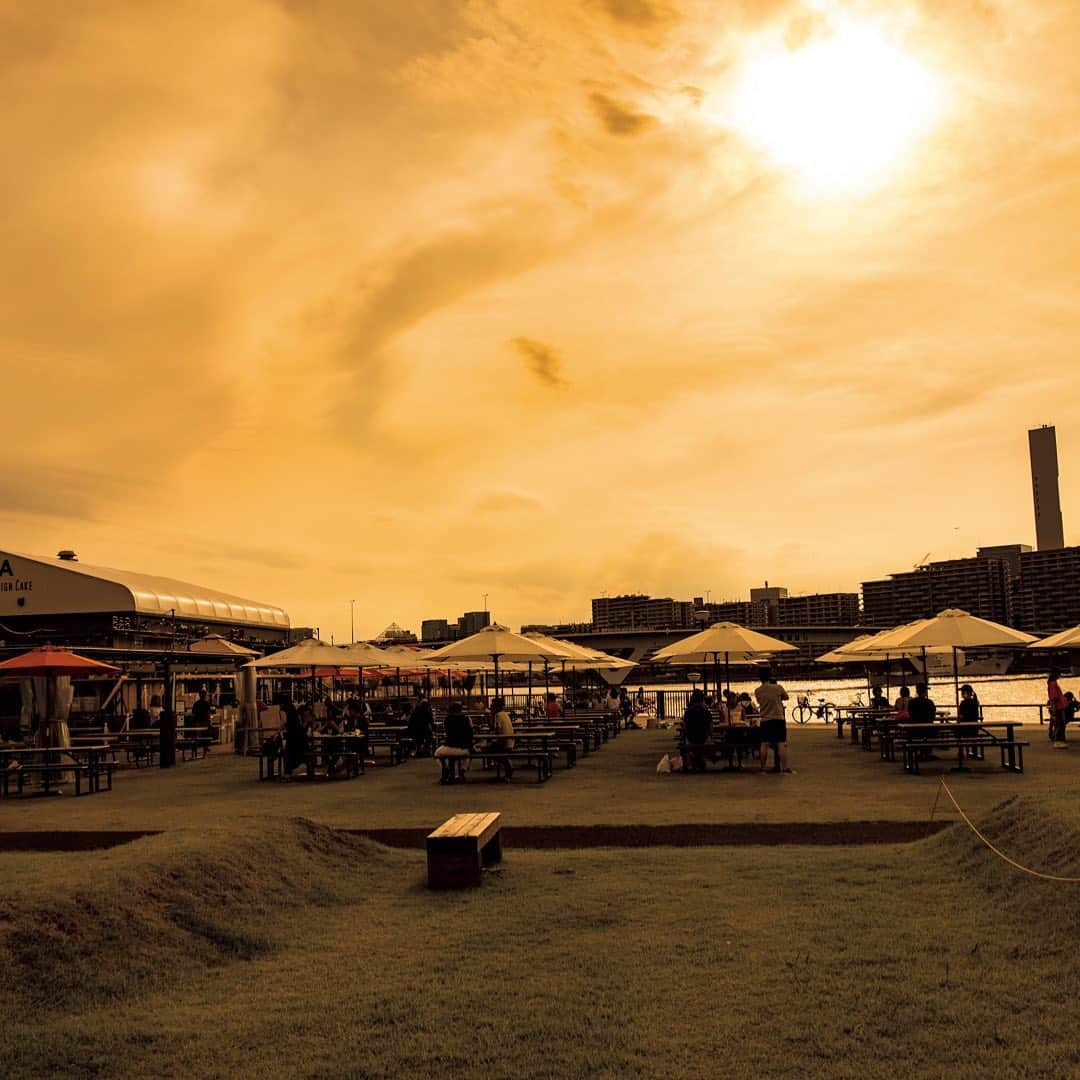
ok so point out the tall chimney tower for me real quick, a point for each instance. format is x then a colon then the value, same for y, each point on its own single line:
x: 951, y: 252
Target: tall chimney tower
x: 1049, y: 532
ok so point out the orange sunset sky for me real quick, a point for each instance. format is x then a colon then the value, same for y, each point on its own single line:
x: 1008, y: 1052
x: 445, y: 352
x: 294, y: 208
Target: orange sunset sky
x: 408, y: 301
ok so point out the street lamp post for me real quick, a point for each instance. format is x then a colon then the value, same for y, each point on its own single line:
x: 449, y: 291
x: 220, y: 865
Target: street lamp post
x: 352, y: 622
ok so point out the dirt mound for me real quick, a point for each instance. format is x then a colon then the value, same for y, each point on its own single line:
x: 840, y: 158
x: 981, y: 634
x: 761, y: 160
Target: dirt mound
x: 1039, y: 832
x: 131, y: 919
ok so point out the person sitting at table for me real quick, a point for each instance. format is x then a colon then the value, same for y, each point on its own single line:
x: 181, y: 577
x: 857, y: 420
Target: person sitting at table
x: 1068, y: 713
x: 553, y: 710
x: 902, y: 708
x: 750, y: 713
x: 968, y: 711
x: 155, y: 709
x: 422, y: 728
x: 457, y: 744
x: 696, y: 729
x: 921, y: 707
x: 733, y: 710
x: 140, y: 718
x: 502, y: 728
x: 879, y: 702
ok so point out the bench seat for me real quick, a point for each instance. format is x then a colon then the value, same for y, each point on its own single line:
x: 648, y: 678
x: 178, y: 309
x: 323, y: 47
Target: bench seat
x: 460, y: 848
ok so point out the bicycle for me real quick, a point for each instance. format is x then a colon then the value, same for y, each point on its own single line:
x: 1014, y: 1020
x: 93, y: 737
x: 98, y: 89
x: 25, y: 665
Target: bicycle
x: 805, y: 711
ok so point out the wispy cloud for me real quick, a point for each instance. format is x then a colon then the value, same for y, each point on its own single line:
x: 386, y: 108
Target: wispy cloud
x: 619, y: 119
x: 542, y: 360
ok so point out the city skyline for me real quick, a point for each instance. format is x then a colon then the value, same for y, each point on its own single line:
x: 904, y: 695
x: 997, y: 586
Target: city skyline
x: 371, y: 315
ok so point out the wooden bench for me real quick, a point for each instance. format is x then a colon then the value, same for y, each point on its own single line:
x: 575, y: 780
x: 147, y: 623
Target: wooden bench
x: 972, y: 747
x: 346, y: 765
x: 200, y: 744
x: 49, y: 777
x: 459, y: 849
x: 138, y: 751
x: 735, y: 744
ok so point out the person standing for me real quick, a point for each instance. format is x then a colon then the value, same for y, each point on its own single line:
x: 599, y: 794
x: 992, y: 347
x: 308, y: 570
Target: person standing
x: 553, y: 710
x: 422, y: 728
x: 201, y: 712
x: 770, y: 697
x: 1055, y: 700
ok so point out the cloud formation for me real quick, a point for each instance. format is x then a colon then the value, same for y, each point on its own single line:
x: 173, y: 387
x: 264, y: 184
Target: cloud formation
x: 266, y: 265
x: 542, y: 360
x: 619, y: 119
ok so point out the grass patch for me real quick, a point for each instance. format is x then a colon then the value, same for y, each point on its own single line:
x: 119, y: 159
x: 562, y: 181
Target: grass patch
x: 923, y: 959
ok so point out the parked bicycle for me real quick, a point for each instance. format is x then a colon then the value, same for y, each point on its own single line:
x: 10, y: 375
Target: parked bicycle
x: 805, y: 710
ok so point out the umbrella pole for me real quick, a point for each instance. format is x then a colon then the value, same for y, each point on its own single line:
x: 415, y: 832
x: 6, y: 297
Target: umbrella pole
x: 727, y: 670
x: 925, y: 672
x: 956, y: 678
x: 495, y: 657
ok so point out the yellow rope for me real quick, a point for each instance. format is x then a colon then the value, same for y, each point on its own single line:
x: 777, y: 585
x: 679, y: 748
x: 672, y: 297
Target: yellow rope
x: 1001, y: 854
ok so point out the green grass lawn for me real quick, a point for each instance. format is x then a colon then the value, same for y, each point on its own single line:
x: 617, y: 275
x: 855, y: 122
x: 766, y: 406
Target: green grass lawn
x: 619, y: 785
x: 286, y: 949
x: 250, y: 938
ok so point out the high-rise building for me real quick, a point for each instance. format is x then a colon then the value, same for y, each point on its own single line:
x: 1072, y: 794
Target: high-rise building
x: 435, y: 630
x: 472, y: 622
x: 1046, y: 597
x: 818, y: 609
x: 1049, y: 531
x: 637, y: 611
x: 982, y: 585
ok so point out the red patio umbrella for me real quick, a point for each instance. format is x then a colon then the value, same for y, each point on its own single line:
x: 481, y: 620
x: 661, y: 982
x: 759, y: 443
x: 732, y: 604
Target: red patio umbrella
x: 52, y: 660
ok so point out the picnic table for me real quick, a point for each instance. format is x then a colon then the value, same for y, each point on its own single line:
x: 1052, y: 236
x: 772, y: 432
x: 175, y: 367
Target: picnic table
x: 46, y: 761
x: 733, y: 742
x: 532, y: 747
x: 339, y: 756
x: 394, y: 737
x: 970, y: 739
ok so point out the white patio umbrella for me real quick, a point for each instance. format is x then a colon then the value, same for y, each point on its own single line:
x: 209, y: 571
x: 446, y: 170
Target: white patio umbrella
x: 953, y: 629
x: 579, y: 658
x: 1066, y: 639
x: 215, y: 644
x: 495, y: 643
x: 313, y: 653
x: 874, y: 647
x: 735, y: 643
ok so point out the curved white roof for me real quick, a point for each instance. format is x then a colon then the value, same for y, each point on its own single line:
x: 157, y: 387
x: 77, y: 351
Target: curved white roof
x: 101, y: 588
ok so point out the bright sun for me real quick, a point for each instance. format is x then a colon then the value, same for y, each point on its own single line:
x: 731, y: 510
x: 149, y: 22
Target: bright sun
x: 842, y: 111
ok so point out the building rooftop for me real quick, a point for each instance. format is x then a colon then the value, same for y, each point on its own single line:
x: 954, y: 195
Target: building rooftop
x: 61, y: 586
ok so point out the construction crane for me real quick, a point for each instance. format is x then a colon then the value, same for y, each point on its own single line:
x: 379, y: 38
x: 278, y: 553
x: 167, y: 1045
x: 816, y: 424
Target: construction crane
x: 923, y: 561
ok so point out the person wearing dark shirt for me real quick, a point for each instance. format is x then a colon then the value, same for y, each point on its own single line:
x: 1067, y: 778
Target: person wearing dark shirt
x: 457, y: 744
x: 422, y: 728
x: 879, y: 702
x: 921, y: 708
x: 200, y: 711
x: 697, y: 727
x: 295, y: 738
x: 968, y: 710
x: 1068, y: 713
